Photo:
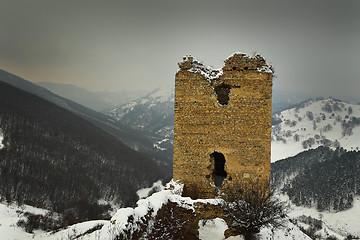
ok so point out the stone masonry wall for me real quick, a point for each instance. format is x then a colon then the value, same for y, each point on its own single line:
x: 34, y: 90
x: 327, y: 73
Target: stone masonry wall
x: 226, y: 111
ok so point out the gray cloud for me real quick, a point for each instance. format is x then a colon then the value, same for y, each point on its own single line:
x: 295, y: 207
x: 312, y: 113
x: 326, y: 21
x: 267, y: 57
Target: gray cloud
x: 313, y: 45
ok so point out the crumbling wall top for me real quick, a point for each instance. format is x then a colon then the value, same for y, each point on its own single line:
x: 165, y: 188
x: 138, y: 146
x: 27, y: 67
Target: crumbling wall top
x: 191, y: 64
x: 236, y: 62
x: 244, y: 62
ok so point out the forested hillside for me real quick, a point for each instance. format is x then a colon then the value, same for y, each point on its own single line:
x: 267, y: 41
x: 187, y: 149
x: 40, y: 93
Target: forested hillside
x: 52, y: 158
x: 324, y: 178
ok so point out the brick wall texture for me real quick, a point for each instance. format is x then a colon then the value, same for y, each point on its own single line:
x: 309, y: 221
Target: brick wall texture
x: 226, y: 111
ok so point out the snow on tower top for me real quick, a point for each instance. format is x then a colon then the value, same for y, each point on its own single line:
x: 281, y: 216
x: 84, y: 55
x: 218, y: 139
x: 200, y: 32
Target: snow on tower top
x: 191, y: 64
x: 245, y: 62
x: 236, y: 62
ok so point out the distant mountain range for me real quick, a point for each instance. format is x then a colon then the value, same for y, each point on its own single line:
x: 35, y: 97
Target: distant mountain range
x: 98, y: 101
x: 152, y: 115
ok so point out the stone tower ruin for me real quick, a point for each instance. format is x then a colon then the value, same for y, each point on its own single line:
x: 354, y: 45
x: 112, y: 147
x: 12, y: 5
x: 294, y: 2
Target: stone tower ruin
x: 222, y: 126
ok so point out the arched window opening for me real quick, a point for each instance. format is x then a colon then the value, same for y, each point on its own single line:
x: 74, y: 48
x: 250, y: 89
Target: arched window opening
x: 219, y: 168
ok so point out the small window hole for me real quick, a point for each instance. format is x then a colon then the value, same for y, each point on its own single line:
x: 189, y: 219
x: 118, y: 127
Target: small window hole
x: 222, y: 91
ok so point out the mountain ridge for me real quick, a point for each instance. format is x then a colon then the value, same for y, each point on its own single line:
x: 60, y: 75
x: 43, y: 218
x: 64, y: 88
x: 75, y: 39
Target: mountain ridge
x: 98, y: 100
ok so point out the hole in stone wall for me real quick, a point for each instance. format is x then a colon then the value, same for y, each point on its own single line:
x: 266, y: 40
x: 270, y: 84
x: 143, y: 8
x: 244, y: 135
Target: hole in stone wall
x: 222, y: 92
x: 219, y: 168
x: 246, y: 68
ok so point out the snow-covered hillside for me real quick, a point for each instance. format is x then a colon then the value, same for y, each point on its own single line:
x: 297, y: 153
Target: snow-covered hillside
x: 159, y: 95
x: 339, y: 224
x: 153, y: 113
x: 327, y: 122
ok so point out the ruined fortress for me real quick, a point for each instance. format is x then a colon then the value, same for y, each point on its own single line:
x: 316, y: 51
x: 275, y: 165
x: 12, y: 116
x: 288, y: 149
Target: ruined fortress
x: 222, y: 126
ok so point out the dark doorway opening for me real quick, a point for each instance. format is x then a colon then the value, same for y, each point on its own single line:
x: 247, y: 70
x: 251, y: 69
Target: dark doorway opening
x: 219, y: 168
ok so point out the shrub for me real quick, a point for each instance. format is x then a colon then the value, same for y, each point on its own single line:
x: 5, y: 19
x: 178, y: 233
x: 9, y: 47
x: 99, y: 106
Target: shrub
x: 327, y: 107
x: 327, y: 128
x: 310, y: 115
x: 296, y: 137
x: 256, y: 209
x: 48, y: 222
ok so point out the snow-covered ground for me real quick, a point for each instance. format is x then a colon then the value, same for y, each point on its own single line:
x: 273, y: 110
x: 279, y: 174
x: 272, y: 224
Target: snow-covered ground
x: 214, y: 230
x: 93, y: 230
x: 10, y: 215
x: 77, y: 231
x: 289, y: 231
x: 339, y: 224
x: 316, y: 123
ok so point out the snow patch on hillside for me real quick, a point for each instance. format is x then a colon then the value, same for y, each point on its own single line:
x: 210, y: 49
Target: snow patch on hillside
x: 315, y: 123
x: 159, y: 95
x: 1, y: 139
x: 144, y: 192
x: 157, y: 145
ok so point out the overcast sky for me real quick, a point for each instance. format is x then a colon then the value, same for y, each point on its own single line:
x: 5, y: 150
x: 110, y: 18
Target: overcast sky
x: 314, y: 46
